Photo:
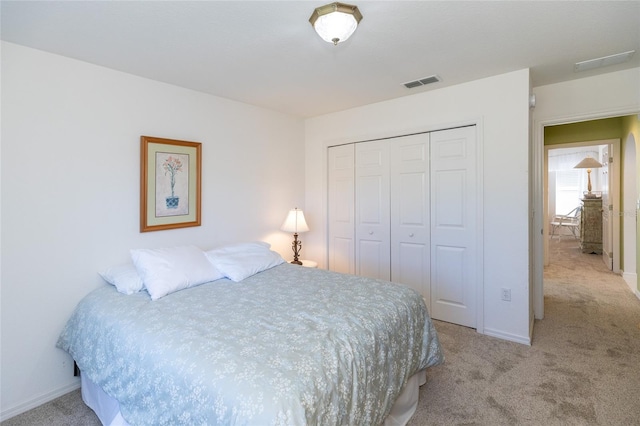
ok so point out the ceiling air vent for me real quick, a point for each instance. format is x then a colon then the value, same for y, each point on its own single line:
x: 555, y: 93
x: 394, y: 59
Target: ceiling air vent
x: 604, y: 61
x: 422, y: 82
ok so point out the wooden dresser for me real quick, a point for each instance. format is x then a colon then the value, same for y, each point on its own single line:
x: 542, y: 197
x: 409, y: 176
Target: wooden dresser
x: 591, y: 226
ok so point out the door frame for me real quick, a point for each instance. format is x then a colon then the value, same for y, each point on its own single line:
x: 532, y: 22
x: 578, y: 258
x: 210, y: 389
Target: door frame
x: 537, y: 197
x: 630, y: 224
x: 614, y: 191
x: 614, y: 162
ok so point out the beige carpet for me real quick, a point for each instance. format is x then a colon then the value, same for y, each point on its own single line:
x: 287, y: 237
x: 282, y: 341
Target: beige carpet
x: 68, y: 410
x: 582, y: 369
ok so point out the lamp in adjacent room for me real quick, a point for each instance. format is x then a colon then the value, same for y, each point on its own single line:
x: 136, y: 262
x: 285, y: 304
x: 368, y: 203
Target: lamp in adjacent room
x: 295, y: 223
x: 335, y: 22
x: 588, y: 163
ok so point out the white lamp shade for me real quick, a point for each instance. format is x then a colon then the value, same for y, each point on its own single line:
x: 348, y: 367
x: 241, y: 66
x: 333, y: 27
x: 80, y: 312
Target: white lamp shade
x: 295, y: 222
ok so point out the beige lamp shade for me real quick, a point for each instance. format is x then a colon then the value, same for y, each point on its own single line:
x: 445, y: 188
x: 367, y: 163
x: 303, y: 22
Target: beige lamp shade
x: 588, y: 163
x: 295, y: 222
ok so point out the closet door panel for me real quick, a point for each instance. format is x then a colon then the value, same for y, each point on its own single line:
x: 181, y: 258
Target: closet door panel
x: 371, y: 200
x: 341, y: 182
x: 409, y: 156
x: 449, y: 279
x: 410, y: 268
x: 449, y: 190
x: 372, y: 210
x: 453, y: 226
x: 371, y: 259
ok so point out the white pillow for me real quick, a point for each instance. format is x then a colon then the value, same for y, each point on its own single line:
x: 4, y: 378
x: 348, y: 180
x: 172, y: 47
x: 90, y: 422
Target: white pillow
x: 239, y: 261
x: 124, y: 277
x: 167, y: 270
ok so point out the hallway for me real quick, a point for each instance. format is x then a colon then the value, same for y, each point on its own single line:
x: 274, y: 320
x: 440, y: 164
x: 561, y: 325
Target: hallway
x: 600, y: 318
x: 583, y: 279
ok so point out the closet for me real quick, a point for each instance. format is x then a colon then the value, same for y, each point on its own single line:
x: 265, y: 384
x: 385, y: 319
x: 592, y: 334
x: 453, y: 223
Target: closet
x: 404, y: 209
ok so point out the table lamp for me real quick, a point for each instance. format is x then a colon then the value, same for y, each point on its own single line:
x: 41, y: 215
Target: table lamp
x: 588, y: 163
x: 295, y: 223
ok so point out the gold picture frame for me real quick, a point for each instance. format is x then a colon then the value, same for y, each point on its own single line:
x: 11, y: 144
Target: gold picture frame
x: 170, y: 183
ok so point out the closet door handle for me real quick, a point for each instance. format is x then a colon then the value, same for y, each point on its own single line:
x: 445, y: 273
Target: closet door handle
x: 370, y: 232
x: 411, y: 235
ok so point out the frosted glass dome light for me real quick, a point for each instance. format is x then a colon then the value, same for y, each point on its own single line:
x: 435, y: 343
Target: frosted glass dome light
x: 335, y: 22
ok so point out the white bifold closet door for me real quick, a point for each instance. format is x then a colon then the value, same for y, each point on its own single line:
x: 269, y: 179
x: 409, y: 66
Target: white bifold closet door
x: 373, y: 239
x: 409, y: 224
x: 341, y: 186
x: 392, y: 210
x: 454, y: 228
x: 405, y: 209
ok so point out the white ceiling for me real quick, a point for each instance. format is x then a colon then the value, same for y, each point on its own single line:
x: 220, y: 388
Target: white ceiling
x: 266, y: 53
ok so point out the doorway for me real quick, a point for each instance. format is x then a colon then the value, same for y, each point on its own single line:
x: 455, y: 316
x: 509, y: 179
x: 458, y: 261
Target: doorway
x: 565, y: 186
x: 539, y: 220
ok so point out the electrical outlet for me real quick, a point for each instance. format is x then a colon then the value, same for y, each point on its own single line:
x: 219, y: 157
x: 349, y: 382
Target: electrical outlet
x: 506, y: 294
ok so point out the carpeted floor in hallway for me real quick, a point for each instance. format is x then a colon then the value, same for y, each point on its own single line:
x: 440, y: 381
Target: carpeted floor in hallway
x: 583, y: 367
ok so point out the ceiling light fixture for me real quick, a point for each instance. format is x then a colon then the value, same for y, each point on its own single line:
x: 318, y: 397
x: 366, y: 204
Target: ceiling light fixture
x: 605, y: 61
x: 335, y: 22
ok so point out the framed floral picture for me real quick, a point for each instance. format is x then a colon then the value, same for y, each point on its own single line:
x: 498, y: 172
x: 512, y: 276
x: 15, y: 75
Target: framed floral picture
x: 170, y: 179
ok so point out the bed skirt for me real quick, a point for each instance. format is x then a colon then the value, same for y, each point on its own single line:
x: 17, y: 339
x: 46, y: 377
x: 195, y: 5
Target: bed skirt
x: 108, y: 410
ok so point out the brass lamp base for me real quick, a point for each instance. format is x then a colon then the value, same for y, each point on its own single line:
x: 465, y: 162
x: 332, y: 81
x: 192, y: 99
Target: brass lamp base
x: 296, y: 246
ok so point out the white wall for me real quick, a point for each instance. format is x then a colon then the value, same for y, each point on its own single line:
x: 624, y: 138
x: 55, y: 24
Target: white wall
x: 500, y: 106
x: 70, y: 193
x: 602, y: 96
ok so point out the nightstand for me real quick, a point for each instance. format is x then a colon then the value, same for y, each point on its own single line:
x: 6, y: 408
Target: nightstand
x: 309, y: 263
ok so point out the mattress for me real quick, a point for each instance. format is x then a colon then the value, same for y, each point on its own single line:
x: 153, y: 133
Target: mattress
x: 289, y: 345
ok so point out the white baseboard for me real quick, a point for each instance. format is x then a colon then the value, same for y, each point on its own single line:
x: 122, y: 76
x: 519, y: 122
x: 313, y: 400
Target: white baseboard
x: 38, y: 401
x: 508, y: 336
x: 632, y: 281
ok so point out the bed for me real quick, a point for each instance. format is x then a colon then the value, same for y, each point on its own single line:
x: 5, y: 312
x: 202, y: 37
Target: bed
x: 288, y: 345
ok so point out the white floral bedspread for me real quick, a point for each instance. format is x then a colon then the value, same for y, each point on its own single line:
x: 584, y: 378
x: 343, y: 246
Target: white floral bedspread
x: 288, y: 346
